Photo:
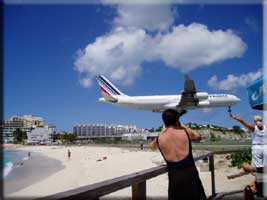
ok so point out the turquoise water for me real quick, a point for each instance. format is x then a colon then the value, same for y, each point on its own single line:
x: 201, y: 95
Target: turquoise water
x: 11, y: 157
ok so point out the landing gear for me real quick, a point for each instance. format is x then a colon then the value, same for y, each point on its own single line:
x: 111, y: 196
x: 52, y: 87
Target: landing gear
x: 229, y: 110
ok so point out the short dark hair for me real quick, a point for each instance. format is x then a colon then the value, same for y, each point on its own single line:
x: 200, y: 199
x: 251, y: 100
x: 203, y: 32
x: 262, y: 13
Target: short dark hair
x: 170, y: 117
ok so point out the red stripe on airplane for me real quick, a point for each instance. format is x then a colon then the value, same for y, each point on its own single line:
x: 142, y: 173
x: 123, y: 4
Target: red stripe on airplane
x: 103, y: 89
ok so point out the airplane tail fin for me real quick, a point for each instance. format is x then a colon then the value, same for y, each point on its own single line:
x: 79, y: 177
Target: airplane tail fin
x: 108, y: 89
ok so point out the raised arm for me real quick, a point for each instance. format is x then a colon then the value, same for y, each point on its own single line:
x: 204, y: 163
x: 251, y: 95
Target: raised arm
x: 194, y: 135
x: 154, y: 145
x: 244, y: 122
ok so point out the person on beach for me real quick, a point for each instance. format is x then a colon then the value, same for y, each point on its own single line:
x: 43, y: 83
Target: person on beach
x: 29, y: 155
x: 175, y: 146
x: 259, y: 134
x: 69, y: 154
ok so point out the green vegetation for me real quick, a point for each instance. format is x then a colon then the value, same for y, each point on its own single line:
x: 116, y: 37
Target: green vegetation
x: 66, y: 137
x: 214, y: 138
x: 225, y: 142
x: 237, y: 129
x: 239, y: 158
x: 19, y: 136
x: 155, y: 129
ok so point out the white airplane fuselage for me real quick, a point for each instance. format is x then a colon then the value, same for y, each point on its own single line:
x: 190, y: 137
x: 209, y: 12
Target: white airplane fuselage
x: 159, y: 103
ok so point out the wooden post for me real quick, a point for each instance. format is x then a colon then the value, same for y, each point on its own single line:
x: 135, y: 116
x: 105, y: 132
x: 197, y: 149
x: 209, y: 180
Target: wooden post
x: 211, y: 167
x: 139, y: 191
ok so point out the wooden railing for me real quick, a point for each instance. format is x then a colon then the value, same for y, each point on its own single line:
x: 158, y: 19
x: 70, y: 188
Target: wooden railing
x: 136, y: 180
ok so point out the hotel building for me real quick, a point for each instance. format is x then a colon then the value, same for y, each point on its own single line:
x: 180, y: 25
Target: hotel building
x: 25, y: 123
x: 102, y: 130
x: 41, y: 134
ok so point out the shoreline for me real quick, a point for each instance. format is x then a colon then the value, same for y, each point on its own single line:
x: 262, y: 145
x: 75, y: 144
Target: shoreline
x: 28, y: 172
x: 9, y: 166
x: 21, y: 153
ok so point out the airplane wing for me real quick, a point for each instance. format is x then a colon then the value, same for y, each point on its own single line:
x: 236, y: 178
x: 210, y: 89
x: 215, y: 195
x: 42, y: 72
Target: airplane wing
x: 188, y: 98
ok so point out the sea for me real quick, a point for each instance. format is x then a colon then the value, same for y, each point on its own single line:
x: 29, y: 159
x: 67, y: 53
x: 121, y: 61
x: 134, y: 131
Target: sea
x: 11, y: 157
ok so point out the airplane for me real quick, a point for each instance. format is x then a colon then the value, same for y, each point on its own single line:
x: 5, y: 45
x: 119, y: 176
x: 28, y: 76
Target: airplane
x: 190, y: 99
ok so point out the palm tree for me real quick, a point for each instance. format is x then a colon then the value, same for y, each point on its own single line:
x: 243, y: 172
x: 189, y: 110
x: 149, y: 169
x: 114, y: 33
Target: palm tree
x: 19, y: 135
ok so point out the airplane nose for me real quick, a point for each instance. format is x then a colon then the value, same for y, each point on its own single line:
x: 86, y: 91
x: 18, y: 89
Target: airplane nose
x: 237, y: 100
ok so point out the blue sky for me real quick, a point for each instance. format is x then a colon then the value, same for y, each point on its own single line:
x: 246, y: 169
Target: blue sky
x: 51, y: 55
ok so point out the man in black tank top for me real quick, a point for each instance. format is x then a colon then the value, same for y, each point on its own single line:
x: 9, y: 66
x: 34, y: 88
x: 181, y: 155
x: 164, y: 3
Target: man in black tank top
x: 184, y: 181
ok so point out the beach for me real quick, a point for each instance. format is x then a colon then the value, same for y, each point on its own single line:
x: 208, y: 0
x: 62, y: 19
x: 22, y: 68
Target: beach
x: 49, y: 171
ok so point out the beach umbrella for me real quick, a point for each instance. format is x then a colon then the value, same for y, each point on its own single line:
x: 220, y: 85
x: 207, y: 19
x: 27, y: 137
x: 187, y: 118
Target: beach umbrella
x: 256, y: 93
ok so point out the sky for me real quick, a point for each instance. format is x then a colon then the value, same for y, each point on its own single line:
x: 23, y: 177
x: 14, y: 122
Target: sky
x: 52, y: 54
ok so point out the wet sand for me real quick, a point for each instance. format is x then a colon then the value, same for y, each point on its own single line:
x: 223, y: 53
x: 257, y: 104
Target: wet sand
x: 29, y: 172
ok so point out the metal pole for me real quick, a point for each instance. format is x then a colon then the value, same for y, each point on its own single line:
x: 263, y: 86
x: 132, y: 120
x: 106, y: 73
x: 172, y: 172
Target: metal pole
x: 211, y: 168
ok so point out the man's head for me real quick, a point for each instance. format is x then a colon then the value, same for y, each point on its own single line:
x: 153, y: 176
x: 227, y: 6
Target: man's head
x: 170, y: 117
x: 258, y: 120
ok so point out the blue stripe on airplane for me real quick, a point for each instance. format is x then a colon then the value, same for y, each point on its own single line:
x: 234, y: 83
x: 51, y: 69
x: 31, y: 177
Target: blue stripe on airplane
x: 109, y: 86
x: 105, y: 86
x: 116, y: 91
x: 111, y: 89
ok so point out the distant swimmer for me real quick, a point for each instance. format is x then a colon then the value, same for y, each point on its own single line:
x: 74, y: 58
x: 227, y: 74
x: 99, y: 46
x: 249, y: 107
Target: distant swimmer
x: 175, y: 146
x: 69, y: 154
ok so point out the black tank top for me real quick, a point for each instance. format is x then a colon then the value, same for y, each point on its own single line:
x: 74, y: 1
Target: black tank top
x: 188, y: 161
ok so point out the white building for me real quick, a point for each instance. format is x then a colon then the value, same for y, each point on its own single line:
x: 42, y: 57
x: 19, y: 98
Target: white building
x: 9, y: 126
x: 40, y: 134
x: 133, y: 136
x: 103, y: 130
x: 140, y: 136
x: 30, y: 121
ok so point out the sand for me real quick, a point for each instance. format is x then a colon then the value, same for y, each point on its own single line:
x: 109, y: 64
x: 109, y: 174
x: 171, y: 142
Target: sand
x: 53, y: 172
x: 25, y: 173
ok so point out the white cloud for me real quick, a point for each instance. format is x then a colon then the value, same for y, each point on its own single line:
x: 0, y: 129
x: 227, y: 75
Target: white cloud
x: 232, y: 81
x: 120, y: 53
x: 150, y: 17
x: 189, y: 47
x: 86, y: 82
x: 117, y: 55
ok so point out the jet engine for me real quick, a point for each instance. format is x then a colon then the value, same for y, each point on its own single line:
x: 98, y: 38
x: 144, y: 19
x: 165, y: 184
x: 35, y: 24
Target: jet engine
x: 201, y: 95
x: 203, y: 103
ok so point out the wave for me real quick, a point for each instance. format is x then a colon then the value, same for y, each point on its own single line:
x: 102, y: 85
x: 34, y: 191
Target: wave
x: 26, y: 158
x: 8, y: 168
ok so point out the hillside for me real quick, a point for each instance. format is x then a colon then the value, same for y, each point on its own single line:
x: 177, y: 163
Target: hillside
x: 216, y: 133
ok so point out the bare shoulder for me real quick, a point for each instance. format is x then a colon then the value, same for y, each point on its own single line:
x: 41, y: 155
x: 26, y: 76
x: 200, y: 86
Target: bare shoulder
x: 164, y: 139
